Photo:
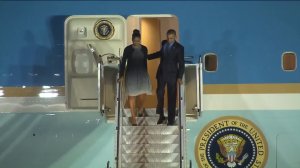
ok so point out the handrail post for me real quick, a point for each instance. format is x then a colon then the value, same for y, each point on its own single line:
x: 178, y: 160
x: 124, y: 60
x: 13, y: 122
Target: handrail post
x: 198, y: 94
x: 118, y: 127
x: 99, y: 87
x: 201, y: 84
x: 180, y: 124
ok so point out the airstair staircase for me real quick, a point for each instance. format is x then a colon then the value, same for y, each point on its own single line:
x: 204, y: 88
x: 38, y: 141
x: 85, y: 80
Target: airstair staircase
x: 149, y: 145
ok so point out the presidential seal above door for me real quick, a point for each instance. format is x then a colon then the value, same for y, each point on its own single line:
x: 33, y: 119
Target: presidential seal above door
x: 231, y: 142
x: 104, y: 29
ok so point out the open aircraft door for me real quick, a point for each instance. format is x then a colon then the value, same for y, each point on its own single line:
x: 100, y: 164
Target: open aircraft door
x: 93, y: 46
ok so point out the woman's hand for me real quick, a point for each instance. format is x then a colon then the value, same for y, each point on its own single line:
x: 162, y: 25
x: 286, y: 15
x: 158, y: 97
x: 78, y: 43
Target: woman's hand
x: 120, y: 79
x: 179, y: 81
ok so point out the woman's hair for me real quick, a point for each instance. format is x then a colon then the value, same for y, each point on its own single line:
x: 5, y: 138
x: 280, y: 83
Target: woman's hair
x: 136, y: 33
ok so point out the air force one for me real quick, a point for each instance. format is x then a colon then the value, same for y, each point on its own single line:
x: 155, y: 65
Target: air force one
x: 232, y: 111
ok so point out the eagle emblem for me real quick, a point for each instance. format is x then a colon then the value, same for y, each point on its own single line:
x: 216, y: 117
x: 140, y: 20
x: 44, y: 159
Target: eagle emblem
x: 231, y: 142
x: 231, y: 147
x: 104, y: 29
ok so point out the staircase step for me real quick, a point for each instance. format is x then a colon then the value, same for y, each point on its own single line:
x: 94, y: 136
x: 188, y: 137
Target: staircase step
x: 150, y: 148
x: 151, y: 165
x: 144, y: 121
x: 149, y: 130
x: 149, y: 111
x: 152, y: 157
x: 150, y: 139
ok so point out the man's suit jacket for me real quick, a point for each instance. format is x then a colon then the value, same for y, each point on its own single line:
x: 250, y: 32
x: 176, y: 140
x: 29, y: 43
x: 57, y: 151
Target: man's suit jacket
x: 172, y: 64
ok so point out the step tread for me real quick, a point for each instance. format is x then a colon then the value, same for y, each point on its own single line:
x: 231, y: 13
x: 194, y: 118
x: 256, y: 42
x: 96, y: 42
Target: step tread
x: 146, y: 130
x: 150, y: 157
x: 150, y: 139
x: 144, y: 121
x: 150, y: 148
x: 151, y: 165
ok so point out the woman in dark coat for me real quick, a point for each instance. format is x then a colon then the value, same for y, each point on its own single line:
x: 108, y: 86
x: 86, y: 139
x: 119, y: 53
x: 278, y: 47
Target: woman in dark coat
x: 137, y: 82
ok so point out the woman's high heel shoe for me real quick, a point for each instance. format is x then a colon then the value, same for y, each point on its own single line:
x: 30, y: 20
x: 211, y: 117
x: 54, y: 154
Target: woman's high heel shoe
x: 133, y: 122
x: 143, y: 113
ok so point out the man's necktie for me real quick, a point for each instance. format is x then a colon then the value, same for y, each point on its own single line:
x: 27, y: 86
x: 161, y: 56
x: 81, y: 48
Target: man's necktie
x: 168, y: 48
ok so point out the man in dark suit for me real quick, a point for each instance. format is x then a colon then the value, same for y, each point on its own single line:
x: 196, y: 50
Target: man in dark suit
x: 169, y: 72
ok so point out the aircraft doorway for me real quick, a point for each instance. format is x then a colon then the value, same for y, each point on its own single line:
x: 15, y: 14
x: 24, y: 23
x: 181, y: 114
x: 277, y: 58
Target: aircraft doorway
x: 153, y: 30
